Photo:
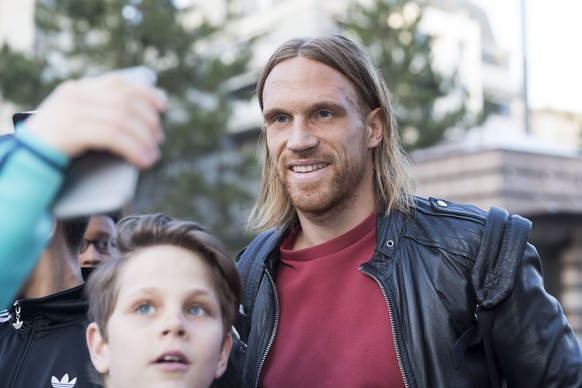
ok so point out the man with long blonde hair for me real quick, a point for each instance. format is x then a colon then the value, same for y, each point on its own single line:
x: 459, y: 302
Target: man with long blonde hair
x: 354, y: 281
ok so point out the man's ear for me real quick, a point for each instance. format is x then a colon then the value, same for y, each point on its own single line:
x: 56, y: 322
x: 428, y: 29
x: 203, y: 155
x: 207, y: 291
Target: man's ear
x: 223, y: 356
x: 374, y: 128
x: 98, y: 348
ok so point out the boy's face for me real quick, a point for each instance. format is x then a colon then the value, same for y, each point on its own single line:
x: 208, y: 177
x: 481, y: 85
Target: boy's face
x: 166, y: 327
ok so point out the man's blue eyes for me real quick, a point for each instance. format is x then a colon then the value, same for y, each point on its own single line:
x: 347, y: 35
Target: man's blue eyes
x: 323, y: 114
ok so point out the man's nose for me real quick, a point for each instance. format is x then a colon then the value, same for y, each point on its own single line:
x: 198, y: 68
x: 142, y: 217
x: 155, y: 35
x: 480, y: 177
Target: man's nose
x: 301, y: 136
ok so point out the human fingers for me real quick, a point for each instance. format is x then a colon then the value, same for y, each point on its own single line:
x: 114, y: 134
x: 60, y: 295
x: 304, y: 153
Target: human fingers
x: 134, y: 137
x: 139, y: 103
x: 135, y: 120
x: 89, y: 113
x: 145, y: 121
x: 117, y: 131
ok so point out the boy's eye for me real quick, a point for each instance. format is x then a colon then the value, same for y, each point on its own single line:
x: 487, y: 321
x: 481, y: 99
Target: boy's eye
x: 197, y: 311
x: 145, y: 308
x: 324, y: 113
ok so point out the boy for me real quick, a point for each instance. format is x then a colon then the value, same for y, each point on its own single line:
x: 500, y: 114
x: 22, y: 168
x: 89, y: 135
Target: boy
x: 163, y: 306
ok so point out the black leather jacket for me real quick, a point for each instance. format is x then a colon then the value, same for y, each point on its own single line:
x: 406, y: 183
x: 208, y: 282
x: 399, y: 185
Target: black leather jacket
x: 423, y: 264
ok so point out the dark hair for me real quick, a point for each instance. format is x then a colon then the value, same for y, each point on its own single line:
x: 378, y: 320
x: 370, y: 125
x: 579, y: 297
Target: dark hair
x: 134, y: 233
x: 74, y: 230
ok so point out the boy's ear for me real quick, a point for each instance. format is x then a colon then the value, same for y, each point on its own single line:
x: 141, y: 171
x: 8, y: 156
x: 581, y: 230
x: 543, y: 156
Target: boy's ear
x: 98, y: 348
x: 223, y: 356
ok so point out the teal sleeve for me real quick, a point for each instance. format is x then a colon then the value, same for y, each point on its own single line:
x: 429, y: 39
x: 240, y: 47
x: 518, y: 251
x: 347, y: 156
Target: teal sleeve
x: 31, y: 174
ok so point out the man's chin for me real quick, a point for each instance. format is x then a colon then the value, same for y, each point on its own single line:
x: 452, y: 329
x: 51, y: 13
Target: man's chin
x: 315, y: 206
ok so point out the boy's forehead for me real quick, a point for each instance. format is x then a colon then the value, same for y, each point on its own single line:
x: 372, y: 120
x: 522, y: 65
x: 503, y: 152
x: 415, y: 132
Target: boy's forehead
x: 165, y: 266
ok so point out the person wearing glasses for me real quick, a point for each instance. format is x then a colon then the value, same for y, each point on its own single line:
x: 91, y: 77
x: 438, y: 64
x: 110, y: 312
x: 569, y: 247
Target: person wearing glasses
x: 94, y: 248
x: 42, y: 333
x: 109, y: 113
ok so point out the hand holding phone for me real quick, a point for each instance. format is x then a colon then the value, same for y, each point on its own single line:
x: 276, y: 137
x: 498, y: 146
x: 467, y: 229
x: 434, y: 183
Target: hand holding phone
x: 105, y: 123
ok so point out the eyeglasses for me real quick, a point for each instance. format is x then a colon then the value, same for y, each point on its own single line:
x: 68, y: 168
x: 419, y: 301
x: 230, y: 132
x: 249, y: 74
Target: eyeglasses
x: 100, y: 244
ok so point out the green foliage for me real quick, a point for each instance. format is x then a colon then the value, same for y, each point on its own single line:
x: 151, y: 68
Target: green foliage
x: 78, y: 38
x: 19, y: 81
x: 390, y: 31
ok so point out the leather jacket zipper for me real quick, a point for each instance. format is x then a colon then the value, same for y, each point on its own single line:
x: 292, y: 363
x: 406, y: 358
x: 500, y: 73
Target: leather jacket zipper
x: 392, y: 323
x: 273, y: 331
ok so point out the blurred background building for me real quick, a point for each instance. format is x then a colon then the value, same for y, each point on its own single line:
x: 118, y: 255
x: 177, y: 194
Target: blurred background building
x: 17, y: 30
x: 534, y: 170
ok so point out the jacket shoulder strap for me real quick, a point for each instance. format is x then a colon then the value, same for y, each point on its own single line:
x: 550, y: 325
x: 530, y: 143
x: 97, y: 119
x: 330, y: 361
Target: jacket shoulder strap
x: 493, y: 277
x: 499, y: 257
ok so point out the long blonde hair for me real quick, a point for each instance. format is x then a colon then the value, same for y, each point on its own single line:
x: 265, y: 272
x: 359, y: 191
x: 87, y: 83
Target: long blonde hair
x: 394, y: 177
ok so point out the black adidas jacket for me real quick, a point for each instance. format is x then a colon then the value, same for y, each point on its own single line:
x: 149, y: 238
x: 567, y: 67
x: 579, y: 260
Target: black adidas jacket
x: 49, y: 348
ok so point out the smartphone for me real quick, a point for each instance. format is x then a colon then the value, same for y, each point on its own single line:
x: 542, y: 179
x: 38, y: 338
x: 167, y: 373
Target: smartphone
x: 97, y: 181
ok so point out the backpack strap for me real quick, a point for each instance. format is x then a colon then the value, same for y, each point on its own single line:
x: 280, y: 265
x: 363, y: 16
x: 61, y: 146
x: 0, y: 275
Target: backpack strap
x: 250, y: 265
x: 499, y: 258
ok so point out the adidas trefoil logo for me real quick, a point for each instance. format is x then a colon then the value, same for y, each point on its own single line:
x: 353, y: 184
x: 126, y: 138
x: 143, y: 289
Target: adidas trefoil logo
x: 64, y: 382
x: 4, y: 316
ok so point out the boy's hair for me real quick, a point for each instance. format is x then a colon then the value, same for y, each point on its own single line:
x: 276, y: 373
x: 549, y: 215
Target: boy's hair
x: 134, y: 233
